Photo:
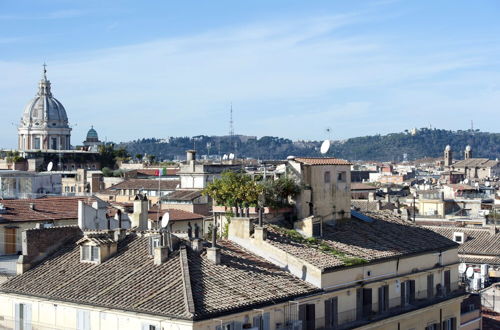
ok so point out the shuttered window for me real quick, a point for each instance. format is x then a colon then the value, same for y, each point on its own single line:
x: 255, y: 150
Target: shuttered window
x: 383, y: 299
x: 331, y: 313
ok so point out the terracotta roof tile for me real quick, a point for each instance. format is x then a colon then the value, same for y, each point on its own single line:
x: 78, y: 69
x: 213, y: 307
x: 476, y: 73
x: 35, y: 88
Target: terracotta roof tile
x: 322, y: 161
x: 130, y: 281
x: 174, y: 214
x: 387, y: 237
x: 47, y: 208
x: 146, y: 184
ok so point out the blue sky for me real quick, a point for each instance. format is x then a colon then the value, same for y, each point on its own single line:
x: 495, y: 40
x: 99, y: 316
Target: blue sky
x: 290, y: 68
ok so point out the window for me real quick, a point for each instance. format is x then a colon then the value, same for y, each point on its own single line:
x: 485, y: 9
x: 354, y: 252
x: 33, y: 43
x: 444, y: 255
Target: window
x: 430, y: 286
x: 307, y: 314
x: 433, y: 326
x: 90, y: 253
x: 36, y: 143
x: 407, y: 292
x: 85, y: 252
x: 447, y: 282
x: 327, y: 177
x: 262, y: 321
x: 54, y: 144
x: 450, y: 324
x: 316, y: 229
x: 341, y: 177
x: 363, y: 303
x: 331, y: 313
x: 95, y: 253
x: 22, y: 316
x: 458, y: 239
x: 82, y: 319
x: 383, y: 299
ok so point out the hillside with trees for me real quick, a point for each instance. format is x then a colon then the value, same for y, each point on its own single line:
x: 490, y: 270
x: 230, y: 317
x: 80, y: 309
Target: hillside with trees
x: 416, y: 144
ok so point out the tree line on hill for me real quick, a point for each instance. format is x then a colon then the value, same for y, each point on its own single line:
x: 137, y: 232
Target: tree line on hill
x: 417, y: 144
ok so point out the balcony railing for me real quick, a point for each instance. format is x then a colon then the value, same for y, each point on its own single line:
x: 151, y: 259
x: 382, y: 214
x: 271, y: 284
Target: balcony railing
x: 372, y: 313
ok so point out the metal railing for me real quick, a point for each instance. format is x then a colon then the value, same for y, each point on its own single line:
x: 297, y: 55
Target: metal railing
x: 371, y: 313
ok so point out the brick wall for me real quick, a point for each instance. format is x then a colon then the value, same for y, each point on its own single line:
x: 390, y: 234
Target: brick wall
x: 38, y: 242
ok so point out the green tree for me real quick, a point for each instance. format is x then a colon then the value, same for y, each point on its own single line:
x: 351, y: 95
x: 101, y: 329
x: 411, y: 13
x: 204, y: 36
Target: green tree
x: 234, y: 189
x: 277, y: 193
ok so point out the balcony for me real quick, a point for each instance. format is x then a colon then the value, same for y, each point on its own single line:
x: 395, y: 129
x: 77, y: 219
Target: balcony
x: 371, y: 313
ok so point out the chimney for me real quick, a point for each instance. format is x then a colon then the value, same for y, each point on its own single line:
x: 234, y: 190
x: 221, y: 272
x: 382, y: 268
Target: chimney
x: 140, y: 215
x: 197, y: 245
x: 32, y: 206
x: 118, y: 234
x: 213, y: 252
x: 213, y: 255
x: 379, y: 205
x: 160, y: 254
x: 371, y: 197
x: 191, y: 158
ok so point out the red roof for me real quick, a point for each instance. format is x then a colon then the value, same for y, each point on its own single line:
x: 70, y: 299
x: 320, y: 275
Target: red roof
x: 47, y: 208
x: 175, y: 214
x: 362, y: 186
x: 322, y: 161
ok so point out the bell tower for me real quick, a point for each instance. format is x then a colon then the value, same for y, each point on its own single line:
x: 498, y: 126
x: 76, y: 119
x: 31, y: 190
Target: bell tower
x: 448, y: 156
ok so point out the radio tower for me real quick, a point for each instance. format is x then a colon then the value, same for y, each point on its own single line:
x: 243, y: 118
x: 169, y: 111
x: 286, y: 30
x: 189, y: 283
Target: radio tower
x: 231, y: 128
x: 232, y: 143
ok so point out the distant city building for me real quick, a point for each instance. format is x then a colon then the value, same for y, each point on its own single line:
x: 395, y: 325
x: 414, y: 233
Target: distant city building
x: 44, y: 124
x: 92, y: 140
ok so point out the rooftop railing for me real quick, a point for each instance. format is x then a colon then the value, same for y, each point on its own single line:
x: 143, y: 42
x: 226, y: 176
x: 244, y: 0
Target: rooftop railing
x: 351, y: 318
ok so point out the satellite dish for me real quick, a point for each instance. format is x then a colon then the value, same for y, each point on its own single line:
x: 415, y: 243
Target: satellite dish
x: 224, y: 157
x: 462, y: 268
x: 50, y: 166
x: 325, y: 146
x: 466, y: 181
x: 469, y: 272
x: 231, y: 156
x: 165, y: 219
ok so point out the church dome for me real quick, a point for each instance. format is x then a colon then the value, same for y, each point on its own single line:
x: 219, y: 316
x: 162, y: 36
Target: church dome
x: 92, y: 135
x: 44, y: 109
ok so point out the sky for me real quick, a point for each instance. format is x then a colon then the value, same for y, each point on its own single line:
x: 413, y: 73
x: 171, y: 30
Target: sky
x: 140, y: 69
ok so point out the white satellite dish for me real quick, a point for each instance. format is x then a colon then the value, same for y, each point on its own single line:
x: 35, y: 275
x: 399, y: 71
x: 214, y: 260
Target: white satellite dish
x: 224, y: 157
x: 50, y: 166
x: 462, y: 268
x: 325, y: 146
x: 466, y: 181
x: 165, y: 219
x: 469, y: 272
x: 231, y: 156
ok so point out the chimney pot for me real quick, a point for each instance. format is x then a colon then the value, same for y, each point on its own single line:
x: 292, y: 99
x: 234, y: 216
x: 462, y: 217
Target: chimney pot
x: 197, y: 245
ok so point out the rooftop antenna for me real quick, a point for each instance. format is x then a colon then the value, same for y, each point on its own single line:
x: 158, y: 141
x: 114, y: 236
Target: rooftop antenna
x: 44, y: 71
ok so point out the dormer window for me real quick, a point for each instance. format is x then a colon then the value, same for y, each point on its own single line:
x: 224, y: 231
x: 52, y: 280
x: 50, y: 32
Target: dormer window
x: 90, y: 253
x: 96, y: 248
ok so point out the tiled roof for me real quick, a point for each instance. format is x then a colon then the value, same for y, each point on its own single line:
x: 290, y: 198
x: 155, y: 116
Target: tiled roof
x: 387, y: 237
x: 460, y: 186
x: 362, y: 186
x: 130, y: 281
x: 44, y: 209
x: 322, y: 161
x: 182, y: 195
x: 478, y: 241
x: 146, y: 184
x: 476, y: 162
x: 174, y: 214
x: 153, y: 171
